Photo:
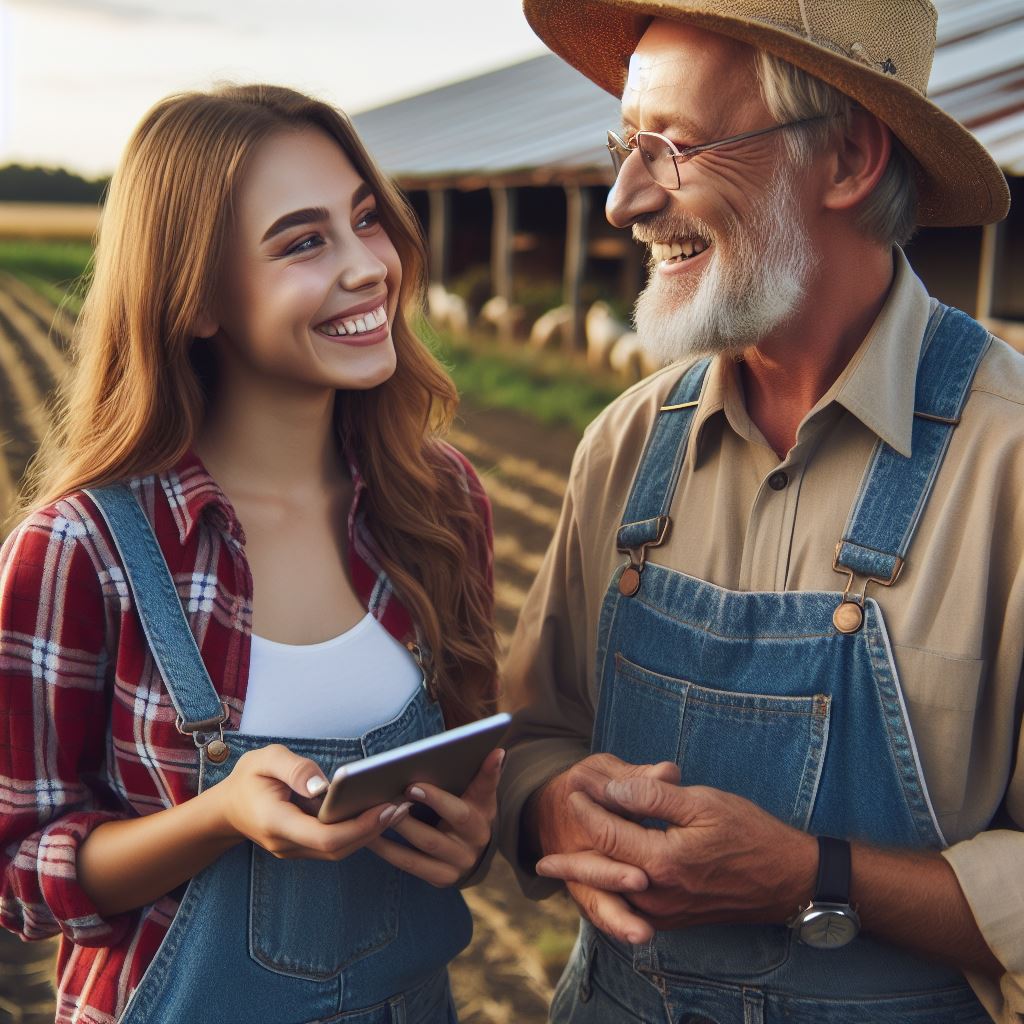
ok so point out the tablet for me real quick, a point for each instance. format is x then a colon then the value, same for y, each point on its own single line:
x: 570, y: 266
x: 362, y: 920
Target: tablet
x: 448, y: 760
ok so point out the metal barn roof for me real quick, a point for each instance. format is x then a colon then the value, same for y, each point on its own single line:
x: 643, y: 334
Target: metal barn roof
x: 978, y: 73
x: 541, y: 116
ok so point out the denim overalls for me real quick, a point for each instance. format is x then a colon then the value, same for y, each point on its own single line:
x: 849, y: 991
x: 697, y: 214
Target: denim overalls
x: 764, y: 695
x: 258, y: 940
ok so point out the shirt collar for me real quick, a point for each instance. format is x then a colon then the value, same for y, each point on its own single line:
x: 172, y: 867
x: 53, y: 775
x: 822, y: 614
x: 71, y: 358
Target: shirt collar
x: 877, y: 386
x: 191, y: 493
x: 880, y: 382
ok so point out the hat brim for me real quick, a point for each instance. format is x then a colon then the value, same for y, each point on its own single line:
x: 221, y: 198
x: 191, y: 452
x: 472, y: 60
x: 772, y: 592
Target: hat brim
x: 958, y: 181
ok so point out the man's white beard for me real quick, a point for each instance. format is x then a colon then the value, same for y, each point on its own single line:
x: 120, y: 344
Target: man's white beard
x: 742, y: 295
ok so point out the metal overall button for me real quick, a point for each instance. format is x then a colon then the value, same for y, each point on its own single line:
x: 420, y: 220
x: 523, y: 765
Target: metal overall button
x: 629, y: 581
x: 849, y: 616
x: 216, y: 750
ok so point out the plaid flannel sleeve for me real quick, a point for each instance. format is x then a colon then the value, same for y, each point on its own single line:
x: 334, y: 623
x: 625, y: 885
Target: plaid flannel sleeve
x: 54, y: 710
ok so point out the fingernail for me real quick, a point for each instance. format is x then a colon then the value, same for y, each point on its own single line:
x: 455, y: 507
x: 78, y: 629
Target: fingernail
x: 540, y: 867
x: 501, y: 761
x: 416, y: 793
x: 387, y: 814
x: 635, y: 938
x: 400, y: 813
x: 616, y: 790
x: 316, y: 785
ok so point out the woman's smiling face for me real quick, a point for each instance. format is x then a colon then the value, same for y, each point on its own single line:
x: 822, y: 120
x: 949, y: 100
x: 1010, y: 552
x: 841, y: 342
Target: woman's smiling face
x: 309, y: 281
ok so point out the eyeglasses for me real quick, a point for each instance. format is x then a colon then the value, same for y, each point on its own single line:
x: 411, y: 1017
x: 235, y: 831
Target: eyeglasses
x: 662, y: 157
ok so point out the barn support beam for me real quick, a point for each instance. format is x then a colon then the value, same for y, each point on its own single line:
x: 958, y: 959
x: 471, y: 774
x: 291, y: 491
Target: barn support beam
x: 503, y: 226
x: 993, y: 239
x: 577, y: 219
x: 440, y: 233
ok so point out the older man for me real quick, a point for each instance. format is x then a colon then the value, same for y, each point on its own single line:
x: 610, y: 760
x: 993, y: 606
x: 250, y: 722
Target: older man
x: 770, y: 672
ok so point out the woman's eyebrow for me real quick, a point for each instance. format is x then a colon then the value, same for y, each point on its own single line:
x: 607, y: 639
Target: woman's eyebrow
x: 310, y: 215
x: 363, y: 192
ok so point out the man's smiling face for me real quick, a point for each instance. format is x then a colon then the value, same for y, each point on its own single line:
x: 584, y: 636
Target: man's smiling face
x: 730, y: 258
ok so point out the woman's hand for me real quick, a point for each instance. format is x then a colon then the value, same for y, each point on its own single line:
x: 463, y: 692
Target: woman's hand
x: 257, y: 803
x: 445, y: 854
x: 132, y: 862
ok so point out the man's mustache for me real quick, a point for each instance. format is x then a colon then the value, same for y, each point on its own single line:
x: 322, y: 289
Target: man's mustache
x: 662, y: 227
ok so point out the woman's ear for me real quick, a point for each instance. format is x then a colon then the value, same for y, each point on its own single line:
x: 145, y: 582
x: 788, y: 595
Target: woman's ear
x: 205, y: 327
x: 860, y: 157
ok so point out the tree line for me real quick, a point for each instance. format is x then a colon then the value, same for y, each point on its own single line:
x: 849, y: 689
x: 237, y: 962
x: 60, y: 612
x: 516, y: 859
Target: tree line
x: 21, y: 184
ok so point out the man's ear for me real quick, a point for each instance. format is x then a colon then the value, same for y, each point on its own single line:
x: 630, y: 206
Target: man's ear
x: 859, y: 159
x: 206, y: 326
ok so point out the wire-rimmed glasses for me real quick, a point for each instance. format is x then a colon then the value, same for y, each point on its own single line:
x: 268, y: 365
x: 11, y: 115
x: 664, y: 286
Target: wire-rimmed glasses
x: 662, y: 157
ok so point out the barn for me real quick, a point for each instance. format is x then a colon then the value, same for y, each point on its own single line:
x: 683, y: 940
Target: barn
x: 508, y: 172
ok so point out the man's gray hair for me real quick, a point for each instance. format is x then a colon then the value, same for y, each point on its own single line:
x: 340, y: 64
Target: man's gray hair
x: 889, y: 214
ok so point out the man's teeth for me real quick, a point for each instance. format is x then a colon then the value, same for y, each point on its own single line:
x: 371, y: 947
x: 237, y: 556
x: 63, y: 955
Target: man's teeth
x: 677, y: 251
x: 357, y: 325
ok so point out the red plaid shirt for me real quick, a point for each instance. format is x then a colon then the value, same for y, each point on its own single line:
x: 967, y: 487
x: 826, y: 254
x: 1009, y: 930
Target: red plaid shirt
x: 89, y: 726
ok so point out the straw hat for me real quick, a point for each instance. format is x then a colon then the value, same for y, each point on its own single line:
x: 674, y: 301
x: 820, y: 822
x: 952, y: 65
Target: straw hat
x: 878, y: 52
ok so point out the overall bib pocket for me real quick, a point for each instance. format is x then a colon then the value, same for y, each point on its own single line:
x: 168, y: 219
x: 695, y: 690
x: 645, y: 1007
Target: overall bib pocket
x: 767, y: 748
x: 311, y: 919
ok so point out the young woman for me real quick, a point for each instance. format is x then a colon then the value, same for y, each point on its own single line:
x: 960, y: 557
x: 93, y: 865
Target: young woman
x: 251, y: 410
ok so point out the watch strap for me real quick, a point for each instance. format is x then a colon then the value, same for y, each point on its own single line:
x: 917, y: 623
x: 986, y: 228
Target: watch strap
x: 833, y: 885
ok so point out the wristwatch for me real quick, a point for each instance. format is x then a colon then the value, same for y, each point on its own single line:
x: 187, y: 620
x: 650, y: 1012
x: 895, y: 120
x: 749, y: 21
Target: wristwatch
x: 829, y: 921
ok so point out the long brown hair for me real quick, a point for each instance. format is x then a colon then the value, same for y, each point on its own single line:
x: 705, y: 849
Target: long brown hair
x: 135, y: 399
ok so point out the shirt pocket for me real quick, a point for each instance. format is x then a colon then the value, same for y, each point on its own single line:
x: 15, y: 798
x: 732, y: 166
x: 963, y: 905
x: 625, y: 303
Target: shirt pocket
x: 941, y: 691
x: 765, y: 747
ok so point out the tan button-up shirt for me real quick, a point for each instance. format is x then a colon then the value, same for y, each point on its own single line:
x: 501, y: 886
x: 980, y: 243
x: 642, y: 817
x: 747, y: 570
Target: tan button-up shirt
x: 955, y: 616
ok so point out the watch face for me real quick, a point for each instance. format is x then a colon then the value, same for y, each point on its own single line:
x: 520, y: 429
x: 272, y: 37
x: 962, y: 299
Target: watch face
x: 828, y: 929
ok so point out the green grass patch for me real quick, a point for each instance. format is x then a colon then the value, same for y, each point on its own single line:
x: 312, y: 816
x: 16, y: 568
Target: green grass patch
x: 59, y: 264
x: 54, y: 269
x: 548, y: 386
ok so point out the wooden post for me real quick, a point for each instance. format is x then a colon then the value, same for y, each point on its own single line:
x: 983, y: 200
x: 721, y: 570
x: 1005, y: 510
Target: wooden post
x: 577, y: 216
x: 503, y: 202
x: 440, y: 235
x: 992, y: 243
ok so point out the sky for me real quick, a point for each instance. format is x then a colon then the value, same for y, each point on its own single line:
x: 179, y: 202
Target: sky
x: 77, y: 75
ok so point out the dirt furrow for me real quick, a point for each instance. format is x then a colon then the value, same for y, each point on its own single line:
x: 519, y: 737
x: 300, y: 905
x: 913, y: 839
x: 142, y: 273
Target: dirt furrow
x: 55, y: 321
x: 31, y: 333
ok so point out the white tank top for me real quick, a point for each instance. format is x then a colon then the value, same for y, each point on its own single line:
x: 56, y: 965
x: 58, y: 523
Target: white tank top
x: 340, y: 688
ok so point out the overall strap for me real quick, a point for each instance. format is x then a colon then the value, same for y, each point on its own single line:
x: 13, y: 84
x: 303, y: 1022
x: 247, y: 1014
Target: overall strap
x: 645, y: 521
x: 895, y: 490
x: 163, y: 619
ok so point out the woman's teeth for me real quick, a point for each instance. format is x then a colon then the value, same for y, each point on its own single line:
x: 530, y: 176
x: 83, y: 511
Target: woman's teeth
x: 676, y: 252
x: 357, y: 325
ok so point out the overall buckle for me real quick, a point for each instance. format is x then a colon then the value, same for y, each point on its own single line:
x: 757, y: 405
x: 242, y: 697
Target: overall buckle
x: 849, y: 615
x: 214, y: 746
x: 629, y: 581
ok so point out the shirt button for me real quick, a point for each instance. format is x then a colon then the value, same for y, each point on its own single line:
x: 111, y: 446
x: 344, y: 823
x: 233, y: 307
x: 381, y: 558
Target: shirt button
x: 777, y: 481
